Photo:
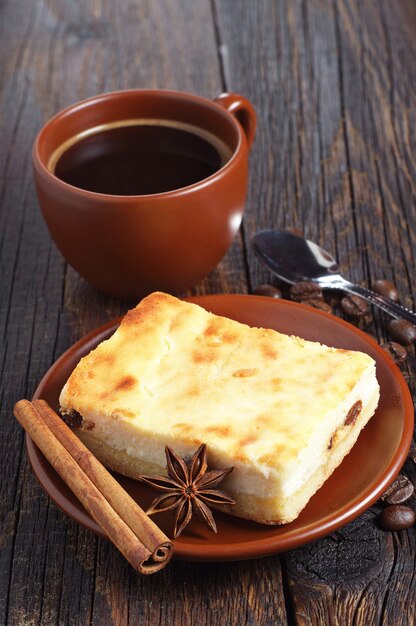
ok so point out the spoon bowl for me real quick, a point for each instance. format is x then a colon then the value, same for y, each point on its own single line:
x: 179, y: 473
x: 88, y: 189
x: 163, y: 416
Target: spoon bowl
x: 293, y: 258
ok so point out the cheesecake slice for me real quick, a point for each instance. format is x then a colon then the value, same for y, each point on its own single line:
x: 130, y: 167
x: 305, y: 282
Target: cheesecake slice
x: 283, y: 411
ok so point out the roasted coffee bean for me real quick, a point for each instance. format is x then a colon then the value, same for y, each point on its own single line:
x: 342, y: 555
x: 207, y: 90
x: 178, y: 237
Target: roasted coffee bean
x: 397, y: 352
x: 397, y: 517
x: 387, y: 289
x: 398, y: 492
x: 319, y: 304
x: 305, y: 290
x: 402, y: 331
x: 267, y: 290
x: 294, y: 231
x: 355, y: 307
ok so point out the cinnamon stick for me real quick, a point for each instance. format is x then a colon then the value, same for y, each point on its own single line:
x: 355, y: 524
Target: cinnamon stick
x: 143, y: 544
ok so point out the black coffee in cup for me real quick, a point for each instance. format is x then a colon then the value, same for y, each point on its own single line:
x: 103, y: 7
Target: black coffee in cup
x: 140, y: 158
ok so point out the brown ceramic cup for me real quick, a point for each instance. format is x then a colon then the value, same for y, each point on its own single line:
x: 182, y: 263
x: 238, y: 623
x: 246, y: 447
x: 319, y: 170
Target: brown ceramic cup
x: 131, y: 245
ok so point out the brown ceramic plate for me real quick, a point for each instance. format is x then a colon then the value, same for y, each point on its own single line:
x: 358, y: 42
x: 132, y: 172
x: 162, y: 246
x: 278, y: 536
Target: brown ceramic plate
x: 358, y: 482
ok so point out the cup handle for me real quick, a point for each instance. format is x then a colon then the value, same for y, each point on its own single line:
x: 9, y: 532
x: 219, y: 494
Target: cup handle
x: 242, y: 110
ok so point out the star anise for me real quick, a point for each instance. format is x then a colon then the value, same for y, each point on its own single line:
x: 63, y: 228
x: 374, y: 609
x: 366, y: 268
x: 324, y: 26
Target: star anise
x: 188, y: 489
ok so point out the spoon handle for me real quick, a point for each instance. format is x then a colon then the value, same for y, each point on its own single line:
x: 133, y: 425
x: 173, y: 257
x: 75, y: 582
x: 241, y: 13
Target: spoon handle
x: 392, y: 308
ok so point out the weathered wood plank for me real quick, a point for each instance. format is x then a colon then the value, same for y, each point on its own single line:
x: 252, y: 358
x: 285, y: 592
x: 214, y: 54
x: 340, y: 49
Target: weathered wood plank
x: 377, y: 100
x: 52, y: 571
x: 332, y: 84
x: 360, y: 575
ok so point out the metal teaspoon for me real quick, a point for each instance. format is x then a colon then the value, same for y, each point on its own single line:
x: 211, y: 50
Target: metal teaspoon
x: 293, y: 259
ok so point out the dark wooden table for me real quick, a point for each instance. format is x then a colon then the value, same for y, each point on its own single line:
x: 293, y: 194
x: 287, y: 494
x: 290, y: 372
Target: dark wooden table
x: 332, y: 82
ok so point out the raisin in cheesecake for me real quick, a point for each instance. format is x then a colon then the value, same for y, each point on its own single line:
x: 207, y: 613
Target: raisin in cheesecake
x: 283, y: 411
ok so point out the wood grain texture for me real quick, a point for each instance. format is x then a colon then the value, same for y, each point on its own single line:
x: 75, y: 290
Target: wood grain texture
x: 51, y: 570
x: 332, y: 84
x: 333, y: 157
